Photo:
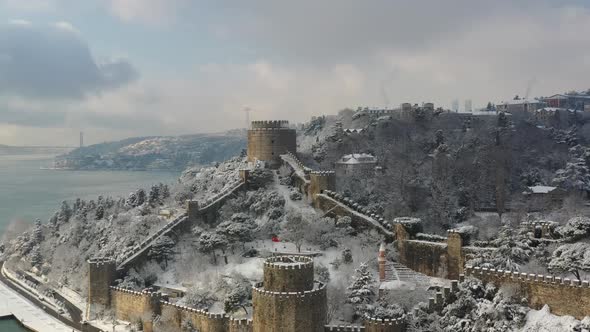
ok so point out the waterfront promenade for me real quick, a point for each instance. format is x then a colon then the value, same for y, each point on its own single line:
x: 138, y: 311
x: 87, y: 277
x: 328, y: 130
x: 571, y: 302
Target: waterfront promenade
x: 14, y: 304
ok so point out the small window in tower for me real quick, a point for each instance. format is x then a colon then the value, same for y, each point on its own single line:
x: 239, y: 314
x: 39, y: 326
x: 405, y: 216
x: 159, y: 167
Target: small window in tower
x: 272, y: 141
x: 273, y: 153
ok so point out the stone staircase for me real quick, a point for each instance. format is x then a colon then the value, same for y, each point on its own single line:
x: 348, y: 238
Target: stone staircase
x: 390, y: 272
x: 230, y: 189
x: 403, y: 273
x: 146, y: 244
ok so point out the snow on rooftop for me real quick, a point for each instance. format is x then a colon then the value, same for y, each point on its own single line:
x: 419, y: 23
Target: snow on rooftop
x: 353, y: 130
x: 520, y: 102
x: 357, y: 158
x: 554, y: 109
x: 541, y: 189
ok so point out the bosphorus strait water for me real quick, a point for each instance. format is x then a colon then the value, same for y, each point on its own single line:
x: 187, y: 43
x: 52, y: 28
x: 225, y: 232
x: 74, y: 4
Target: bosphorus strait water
x: 28, y: 192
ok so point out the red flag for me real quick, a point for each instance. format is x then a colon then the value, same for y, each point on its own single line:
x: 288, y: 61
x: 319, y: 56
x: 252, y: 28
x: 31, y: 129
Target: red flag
x: 275, y: 239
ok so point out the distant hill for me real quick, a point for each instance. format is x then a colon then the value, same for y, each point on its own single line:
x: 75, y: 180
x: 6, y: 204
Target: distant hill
x: 155, y: 152
x: 19, y: 150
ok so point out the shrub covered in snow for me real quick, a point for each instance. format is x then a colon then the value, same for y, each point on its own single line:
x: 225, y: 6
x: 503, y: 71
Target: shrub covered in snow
x: 575, y: 229
x: 475, y: 307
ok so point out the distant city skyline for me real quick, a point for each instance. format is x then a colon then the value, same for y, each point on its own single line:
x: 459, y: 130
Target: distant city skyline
x: 170, y: 67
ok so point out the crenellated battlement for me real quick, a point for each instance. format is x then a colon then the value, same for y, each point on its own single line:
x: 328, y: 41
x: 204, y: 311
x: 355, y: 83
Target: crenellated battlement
x: 323, y: 173
x: 486, y: 274
x: 240, y: 322
x: 438, y: 302
x: 563, y: 295
x: 358, y: 208
x: 384, y: 325
x: 343, y: 328
x: 318, y: 291
x: 288, y: 274
x: 306, y: 170
x: 101, y: 260
x: 270, y: 124
x: 288, y: 299
x: 268, y: 140
x: 289, y: 262
x: 136, y: 293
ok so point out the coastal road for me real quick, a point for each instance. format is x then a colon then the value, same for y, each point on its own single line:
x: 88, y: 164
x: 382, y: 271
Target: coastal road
x: 75, y: 312
x: 33, y: 299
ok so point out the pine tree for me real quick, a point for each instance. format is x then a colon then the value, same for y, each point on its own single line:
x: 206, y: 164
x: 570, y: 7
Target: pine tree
x: 141, y: 197
x: 154, y: 195
x: 65, y: 213
x: 164, y: 191
x: 38, y: 232
x: 236, y: 232
x: 35, y: 256
x: 162, y: 249
x: 131, y: 200
x: 575, y: 175
x: 573, y: 258
x: 99, y: 212
x: 210, y: 242
x: 360, y: 291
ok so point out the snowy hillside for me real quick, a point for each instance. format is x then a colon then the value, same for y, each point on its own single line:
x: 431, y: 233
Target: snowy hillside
x: 155, y: 153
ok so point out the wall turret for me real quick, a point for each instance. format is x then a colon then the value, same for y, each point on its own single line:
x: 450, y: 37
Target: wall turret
x: 268, y: 140
x: 101, y: 274
x: 289, y: 300
x: 320, y: 181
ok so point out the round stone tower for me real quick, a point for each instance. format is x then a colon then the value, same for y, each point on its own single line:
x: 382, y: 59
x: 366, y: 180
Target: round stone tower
x: 268, y: 140
x: 289, y: 299
x: 101, y: 274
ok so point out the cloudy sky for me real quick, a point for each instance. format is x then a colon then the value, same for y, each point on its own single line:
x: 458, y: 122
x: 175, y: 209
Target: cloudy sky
x: 120, y: 68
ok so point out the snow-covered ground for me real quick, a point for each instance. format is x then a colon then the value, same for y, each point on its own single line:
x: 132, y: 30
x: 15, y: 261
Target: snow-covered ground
x: 544, y: 321
x: 12, y: 303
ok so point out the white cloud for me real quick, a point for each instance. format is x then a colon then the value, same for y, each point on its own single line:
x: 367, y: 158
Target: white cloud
x: 67, y: 26
x: 29, y: 5
x: 54, y: 62
x: 19, y: 22
x: 147, y: 11
x: 313, y: 58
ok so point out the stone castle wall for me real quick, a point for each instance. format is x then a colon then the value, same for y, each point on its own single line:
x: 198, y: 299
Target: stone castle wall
x: 289, y: 311
x: 455, y: 255
x: 101, y: 274
x: 200, y: 319
x: 385, y: 325
x: 131, y: 305
x: 361, y: 218
x: 268, y: 140
x: 429, y: 258
x: 343, y: 328
x: 240, y: 325
x: 435, y: 259
x: 562, y: 295
x: 302, y: 309
x: 288, y: 274
x: 319, y: 181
